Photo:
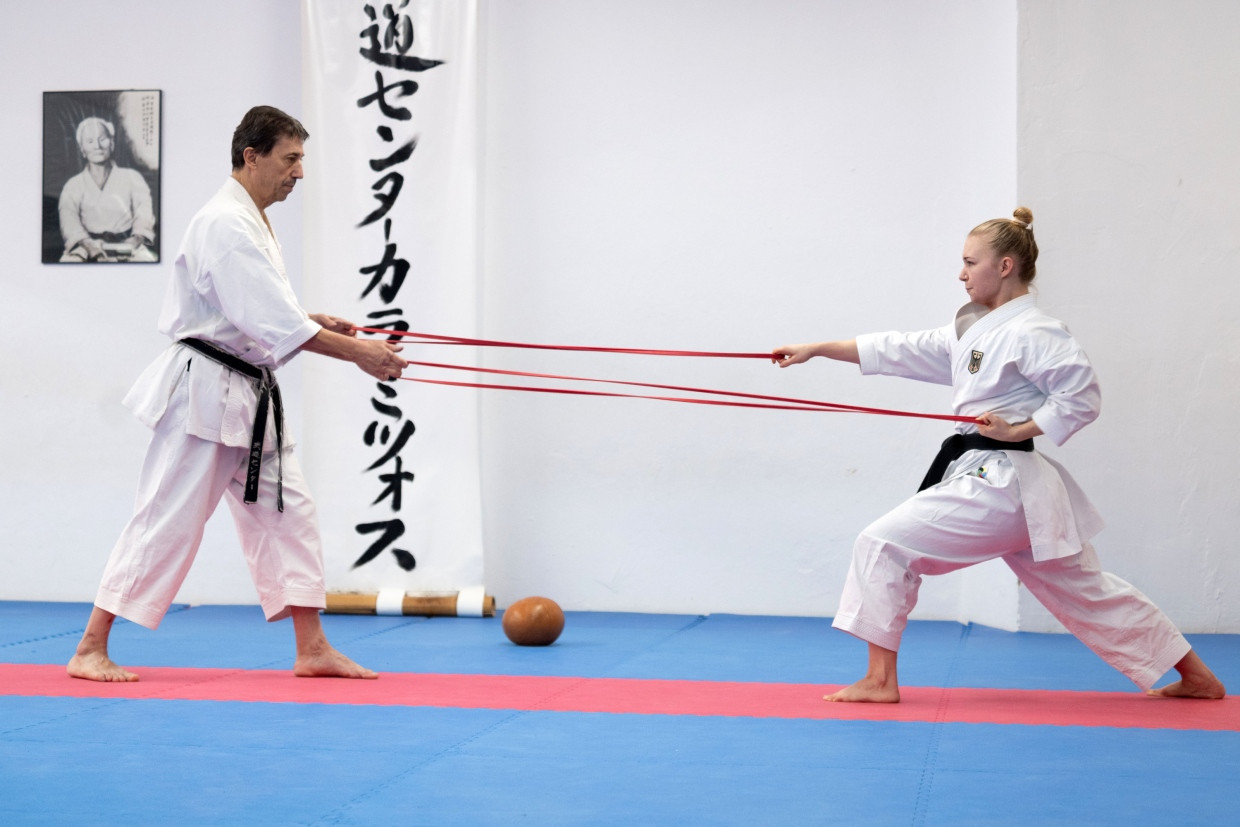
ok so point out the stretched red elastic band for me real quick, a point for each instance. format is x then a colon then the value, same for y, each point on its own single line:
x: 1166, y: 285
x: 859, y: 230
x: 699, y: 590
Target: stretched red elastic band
x: 768, y: 402
x: 460, y: 340
x: 771, y: 402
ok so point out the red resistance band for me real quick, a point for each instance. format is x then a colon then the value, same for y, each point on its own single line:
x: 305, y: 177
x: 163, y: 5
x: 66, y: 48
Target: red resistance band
x: 762, y: 401
x: 457, y: 340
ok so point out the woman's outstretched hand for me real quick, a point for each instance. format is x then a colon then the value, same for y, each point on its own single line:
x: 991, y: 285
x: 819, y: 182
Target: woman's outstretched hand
x: 841, y: 351
x: 786, y: 355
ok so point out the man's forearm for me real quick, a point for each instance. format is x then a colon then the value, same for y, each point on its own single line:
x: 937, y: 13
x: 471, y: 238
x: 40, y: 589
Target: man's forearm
x: 335, y: 345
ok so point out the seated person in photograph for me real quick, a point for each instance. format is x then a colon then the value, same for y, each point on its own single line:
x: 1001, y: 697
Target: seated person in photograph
x: 105, y: 210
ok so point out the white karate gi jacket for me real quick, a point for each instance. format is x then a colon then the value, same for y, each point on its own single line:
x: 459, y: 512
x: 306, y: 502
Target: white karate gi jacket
x: 228, y: 288
x: 123, y: 205
x: 1020, y: 364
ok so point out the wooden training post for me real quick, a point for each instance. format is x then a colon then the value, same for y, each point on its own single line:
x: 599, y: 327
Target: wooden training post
x: 465, y: 603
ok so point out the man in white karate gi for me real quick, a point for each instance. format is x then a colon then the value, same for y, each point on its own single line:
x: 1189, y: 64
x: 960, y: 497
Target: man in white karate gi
x: 216, y: 414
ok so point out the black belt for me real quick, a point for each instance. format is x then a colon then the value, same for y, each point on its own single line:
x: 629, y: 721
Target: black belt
x: 268, y: 392
x: 955, y: 446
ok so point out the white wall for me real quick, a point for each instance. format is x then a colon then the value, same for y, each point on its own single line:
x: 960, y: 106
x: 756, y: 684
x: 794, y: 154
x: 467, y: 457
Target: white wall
x: 717, y: 175
x: 724, y: 176
x: 1128, y: 134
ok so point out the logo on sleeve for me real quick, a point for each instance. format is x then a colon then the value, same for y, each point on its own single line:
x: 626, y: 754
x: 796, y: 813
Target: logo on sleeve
x: 975, y: 362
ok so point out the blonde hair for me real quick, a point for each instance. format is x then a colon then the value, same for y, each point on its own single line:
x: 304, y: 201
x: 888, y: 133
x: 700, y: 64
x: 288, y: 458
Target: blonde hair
x: 1013, y: 237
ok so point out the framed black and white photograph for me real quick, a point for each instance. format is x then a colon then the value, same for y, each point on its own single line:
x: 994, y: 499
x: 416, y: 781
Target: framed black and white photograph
x: 101, y: 153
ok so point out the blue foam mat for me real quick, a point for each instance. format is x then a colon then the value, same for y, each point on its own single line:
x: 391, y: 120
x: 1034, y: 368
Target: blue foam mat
x: 595, y: 644
x: 236, y: 763
x: 96, y: 761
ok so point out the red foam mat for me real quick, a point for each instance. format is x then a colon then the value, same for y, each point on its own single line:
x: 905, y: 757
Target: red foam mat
x: 634, y: 696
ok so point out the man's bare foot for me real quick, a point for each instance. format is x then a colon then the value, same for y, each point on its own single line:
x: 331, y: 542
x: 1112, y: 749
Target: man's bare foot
x: 316, y: 658
x: 866, y: 690
x: 330, y: 663
x: 97, y: 666
x: 90, y: 660
x: 1196, y: 681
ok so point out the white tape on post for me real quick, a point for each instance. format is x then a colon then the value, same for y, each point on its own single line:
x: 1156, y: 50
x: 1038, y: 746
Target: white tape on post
x: 469, y: 601
x: 390, y: 602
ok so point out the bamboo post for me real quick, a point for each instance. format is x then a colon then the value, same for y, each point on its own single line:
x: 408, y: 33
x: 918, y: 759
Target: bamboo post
x: 443, y: 604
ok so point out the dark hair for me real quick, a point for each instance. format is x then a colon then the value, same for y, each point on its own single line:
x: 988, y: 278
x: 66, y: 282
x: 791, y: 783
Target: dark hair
x: 261, y: 128
x: 1013, y: 237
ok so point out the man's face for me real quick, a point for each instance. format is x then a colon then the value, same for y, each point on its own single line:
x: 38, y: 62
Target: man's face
x: 96, y: 144
x: 276, y: 173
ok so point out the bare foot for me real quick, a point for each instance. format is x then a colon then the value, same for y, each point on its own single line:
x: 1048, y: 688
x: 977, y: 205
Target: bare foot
x: 90, y: 660
x: 97, y: 666
x: 866, y: 690
x: 1196, y: 681
x: 880, y: 684
x: 316, y: 658
x: 330, y: 663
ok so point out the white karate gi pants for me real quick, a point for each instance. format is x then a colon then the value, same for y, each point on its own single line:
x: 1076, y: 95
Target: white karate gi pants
x: 181, y: 483
x: 967, y: 519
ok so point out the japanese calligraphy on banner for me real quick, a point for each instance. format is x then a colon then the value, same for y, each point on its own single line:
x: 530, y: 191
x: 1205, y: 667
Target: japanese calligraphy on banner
x: 391, y: 242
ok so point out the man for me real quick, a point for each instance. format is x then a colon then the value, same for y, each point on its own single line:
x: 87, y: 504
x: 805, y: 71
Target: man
x: 216, y: 413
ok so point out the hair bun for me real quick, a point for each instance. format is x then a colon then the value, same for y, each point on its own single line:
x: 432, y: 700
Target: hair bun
x: 1024, y: 215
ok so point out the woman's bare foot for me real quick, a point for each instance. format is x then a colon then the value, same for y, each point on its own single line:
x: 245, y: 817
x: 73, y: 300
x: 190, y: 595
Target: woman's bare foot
x: 1196, y: 681
x: 879, y: 686
x: 97, y: 666
x: 866, y: 691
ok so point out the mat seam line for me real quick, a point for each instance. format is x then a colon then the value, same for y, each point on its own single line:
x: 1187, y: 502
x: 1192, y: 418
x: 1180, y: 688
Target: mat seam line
x: 335, y: 815
x: 926, y: 782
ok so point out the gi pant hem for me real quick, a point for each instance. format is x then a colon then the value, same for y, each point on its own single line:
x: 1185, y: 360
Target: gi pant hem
x: 280, y: 605
x: 144, y: 615
x: 868, y: 632
x: 1161, y: 664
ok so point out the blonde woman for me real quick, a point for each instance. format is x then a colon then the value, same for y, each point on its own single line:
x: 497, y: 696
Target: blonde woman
x: 990, y: 493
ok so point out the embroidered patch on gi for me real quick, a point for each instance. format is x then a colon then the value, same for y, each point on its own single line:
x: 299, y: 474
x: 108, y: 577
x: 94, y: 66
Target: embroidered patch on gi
x: 975, y: 363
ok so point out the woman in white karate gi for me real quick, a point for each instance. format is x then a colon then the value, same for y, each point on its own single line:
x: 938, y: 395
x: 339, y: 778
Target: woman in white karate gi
x: 989, y: 493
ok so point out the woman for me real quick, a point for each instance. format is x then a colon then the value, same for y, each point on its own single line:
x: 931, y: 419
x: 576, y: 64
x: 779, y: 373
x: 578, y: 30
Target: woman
x: 105, y: 210
x: 989, y: 493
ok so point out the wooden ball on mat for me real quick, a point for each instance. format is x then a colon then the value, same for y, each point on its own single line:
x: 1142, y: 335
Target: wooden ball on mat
x: 533, y: 621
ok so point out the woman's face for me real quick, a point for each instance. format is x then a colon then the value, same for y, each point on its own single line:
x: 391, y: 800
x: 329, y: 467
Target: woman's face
x: 96, y: 144
x: 985, y: 272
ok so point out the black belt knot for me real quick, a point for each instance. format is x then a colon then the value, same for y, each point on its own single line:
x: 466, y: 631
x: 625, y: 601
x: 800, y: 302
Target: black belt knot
x: 956, y: 445
x: 268, y: 394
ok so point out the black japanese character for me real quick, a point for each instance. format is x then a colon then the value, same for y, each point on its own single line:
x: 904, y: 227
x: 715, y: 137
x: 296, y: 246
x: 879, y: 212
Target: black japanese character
x: 392, y: 531
x: 406, y: 431
x: 394, y: 483
x: 385, y: 199
x: 399, y: 268
x: 398, y: 113
x: 398, y: 34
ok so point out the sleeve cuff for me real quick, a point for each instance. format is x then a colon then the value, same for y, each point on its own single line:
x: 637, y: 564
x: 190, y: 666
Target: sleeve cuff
x: 1051, y: 427
x: 867, y: 354
x: 291, y: 345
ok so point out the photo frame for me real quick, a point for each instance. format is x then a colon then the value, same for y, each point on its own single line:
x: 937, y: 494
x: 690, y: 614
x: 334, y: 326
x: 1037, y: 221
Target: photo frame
x: 101, y: 176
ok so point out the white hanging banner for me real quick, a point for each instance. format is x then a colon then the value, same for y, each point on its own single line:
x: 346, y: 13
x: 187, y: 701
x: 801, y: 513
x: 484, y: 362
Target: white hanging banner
x: 391, y: 96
